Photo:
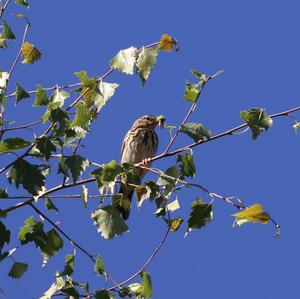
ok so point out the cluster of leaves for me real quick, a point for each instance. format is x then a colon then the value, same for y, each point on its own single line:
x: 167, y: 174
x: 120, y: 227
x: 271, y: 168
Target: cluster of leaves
x: 65, y: 129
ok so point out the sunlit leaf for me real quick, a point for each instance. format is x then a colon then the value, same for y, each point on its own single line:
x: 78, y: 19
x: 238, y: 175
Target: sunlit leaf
x: 55, y: 287
x: 124, y: 61
x: 173, y: 206
x: 143, y: 193
x: 4, y: 76
x: 84, y: 195
x: 145, y: 62
x: 17, y: 270
x: 28, y: 175
x: 146, y: 285
x: 107, y: 90
x: 13, y: 144
x: 57, y: 99
x: 196, y: 131
x: 296, y: 127
x: 191, y: 92
x: 257, y: 120
x: 109, y: 222
x: 254, y: 213
x: 30, y: 53
x: 83, y: 116
x: 69, y: 265
x: 201, y: 214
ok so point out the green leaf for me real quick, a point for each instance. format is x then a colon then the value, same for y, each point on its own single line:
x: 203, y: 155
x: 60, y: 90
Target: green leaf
x: 257, y: 120
x: 21, y: 93
x: 165, y: 181
x: 60, y: 118
x: 186, y: 165
x: 17, y: 270
x: 107, y: 90
x: 3, y: 193
x: 77, y: 165
x: 69, y: 266
x: 22, y: 2
x: 50, y: 205
x: 30, y: 53
x: 145, y: 62
x: 106, y: 175
x: 124, y: 61
x: 13, y: 144
x: 7, y: 32
x: 45, y: 146
x: 196, y: 131
x: 103, y: 294
x: 200, y: 215
x: 62, y: 167
x: 109, y: 222
x: 4, y: 235
x: 28, y: 175
x: 83, y: 117
x: 2, y: 101
x: 41, y: 98
x: 57, y: 99
x: 99, y: 267
x: 86, y: 81
x: 191, y: 92
x: 146, y: 285
x: 33, y: 231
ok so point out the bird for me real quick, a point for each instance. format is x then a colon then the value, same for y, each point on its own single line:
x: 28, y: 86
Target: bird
x: 140, y: 143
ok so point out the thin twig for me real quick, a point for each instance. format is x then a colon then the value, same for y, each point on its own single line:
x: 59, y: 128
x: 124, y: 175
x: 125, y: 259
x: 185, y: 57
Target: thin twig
x: 20, y: 51
x: 3, y: 8
x: 217, y: 136
x: 55, y: 189
x: 91, y: 256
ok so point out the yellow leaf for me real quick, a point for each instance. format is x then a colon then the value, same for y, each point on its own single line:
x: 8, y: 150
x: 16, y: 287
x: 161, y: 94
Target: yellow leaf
x: 167, y: 43
x: 252, y: 214
x: 175, y: 224
x: 30, y: 53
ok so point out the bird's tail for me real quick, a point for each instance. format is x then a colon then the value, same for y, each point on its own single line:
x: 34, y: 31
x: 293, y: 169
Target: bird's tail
x: 124, y: 206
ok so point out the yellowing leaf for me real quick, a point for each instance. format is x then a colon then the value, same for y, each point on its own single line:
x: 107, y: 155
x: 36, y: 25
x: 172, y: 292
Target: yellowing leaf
x: 167, y: 43
x: 252, y: 214
x: 30, y: 53
x: 175, y: 224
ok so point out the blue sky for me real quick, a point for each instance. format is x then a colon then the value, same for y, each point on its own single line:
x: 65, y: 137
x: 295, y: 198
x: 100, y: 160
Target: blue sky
x: 257, y: 45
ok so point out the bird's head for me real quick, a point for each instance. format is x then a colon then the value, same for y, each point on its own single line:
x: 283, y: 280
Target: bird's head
x: 150, y: 121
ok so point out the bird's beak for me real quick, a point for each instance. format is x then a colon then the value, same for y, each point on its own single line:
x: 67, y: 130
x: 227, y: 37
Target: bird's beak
x: 161, y: 120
